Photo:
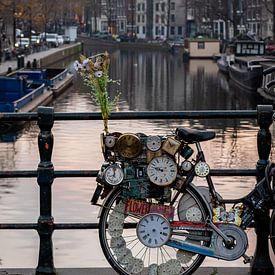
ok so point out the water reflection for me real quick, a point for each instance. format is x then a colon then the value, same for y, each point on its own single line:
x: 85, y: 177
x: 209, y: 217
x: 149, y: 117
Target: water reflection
x: 150, y: 81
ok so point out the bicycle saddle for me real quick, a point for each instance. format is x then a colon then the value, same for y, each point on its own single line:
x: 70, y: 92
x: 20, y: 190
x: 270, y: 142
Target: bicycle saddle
x: 193, y: 135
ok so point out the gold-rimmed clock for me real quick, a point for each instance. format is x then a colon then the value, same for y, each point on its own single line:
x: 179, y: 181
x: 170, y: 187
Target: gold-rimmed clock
x: 128, y: 146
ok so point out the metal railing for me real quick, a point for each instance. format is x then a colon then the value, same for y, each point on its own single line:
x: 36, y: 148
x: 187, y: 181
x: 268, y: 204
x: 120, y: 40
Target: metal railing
x: 46, y: 174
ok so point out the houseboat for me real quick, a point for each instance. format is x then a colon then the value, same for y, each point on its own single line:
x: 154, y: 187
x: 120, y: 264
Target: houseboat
x: 201, y: 47
x: 267, y: 89
x: 247, y: 70
x: 56, y: 80
x: 26, y: 89
x: 17, y: 95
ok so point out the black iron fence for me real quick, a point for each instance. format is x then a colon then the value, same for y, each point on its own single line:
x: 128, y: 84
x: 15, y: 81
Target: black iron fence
x: 46, y: 174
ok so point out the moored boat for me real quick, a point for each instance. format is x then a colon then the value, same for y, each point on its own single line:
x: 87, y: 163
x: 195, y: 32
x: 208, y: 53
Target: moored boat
x: 267, y: 89
x: 55, y: 79
x: 247, y: 69
x: 247, y: 72
x: 26, y: 89
x: 17, y: 95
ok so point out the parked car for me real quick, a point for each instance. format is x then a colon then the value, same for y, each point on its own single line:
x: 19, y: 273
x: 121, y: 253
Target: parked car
x: 66, y: 39
x: 22, y: 43
x: 35, y: 40
x: 270, y: 48
x: 60, y: 39
x: 102, y: 35
x: 51, y: 39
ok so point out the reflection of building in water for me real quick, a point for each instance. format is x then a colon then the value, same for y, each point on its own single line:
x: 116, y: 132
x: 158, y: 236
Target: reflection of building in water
x: 158, y: 81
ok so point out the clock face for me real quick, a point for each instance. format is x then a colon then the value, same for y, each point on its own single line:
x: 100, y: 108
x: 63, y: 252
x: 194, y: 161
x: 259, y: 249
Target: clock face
x: 162, y: 170
x: 113, y: 174
x: 153, y: 230
x: 110, y: 141
x: 186, y: 166
x: 128, y: 146
x: 202, y: 169
x: 153, y: 143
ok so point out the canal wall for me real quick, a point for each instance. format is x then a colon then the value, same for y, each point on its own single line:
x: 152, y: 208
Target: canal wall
x: 61, y: 54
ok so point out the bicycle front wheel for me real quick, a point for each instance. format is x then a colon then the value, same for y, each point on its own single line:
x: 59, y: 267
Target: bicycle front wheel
x: 128, y: 255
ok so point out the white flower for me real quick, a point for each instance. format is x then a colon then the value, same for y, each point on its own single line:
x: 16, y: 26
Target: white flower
x: 85, y: 62
x: 98, y: 74
x: 77, y: 66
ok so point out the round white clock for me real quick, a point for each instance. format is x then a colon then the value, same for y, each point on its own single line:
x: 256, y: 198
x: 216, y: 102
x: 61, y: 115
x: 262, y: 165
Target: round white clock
x: 153, y: 230
x: 162, y: 170
x: 202, y: 169
x: 153, y: 143
x: 113, y: 174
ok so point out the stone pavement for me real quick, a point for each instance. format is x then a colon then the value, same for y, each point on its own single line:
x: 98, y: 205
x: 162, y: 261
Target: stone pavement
x: 108, y: 271
x: 4, y: 66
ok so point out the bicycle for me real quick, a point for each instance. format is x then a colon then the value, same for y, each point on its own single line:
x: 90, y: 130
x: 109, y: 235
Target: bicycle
x: 155, y: 220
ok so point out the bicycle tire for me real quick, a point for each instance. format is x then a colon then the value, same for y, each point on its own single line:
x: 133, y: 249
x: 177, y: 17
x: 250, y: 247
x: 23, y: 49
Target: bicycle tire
x: 272, y: 231
x: 119, y: 263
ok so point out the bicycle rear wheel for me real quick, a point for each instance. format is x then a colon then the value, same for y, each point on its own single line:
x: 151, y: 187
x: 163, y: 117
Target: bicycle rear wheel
x: 272, y: 231
x: 128, y: 255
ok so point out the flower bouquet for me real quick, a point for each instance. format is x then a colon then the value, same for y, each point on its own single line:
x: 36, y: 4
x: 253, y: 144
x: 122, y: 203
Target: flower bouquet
x: 94, y: 71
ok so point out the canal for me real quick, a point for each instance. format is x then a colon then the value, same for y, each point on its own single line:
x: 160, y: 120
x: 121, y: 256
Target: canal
x: 150, y: 81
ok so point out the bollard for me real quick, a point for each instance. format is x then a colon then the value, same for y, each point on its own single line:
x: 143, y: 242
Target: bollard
x: 22, y: 61
x: 19, y: 62
x: 9, y: 70
x: 45, y: 177
x: 34, y: 63
x: 262, y: 264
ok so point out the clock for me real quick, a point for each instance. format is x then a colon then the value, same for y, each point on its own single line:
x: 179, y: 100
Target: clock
x: 162, y: 170
x: 153, y: 230
x: 110, y: 141
x: 186, y: 166
x: 153, y: 143
x: 128, y: 146
x: 202, y: 169
x: 113, y: 175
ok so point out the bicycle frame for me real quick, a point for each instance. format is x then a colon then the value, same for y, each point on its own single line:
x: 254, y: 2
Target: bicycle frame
x: 260, y: 198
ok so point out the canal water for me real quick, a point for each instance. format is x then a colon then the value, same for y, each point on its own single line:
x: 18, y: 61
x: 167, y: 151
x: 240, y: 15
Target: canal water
x: 150, y: 81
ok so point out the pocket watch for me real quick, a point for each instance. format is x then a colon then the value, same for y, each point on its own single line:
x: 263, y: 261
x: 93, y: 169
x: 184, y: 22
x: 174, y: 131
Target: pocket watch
x: 162, y: 170
x: 128, y: 146
x: 110, y: 141
x: 113, y: 174
x: 153, y: 143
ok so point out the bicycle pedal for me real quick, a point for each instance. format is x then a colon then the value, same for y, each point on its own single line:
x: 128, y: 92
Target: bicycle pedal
x: 247, y: 259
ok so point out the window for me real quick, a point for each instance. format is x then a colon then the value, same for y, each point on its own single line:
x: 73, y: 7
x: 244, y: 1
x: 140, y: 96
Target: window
x: 172, y: 17
x: 143, y: 6
x: 156, y: 30
x: 138, y: 18
x: 172, y: 30
x: 138, y: 7
x: 162, y: 18
x: 162, y: 6
x: 143, y: 18
x: 172, y: 6
x: 162, y: 30
x: 157, y: 6
x: 201, y: 45
x: 143, y: 29
x: 157, y: 18
x: 180, y: 30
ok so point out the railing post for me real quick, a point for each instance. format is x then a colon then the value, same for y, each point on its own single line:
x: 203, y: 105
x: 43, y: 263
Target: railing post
x: 262, y: 264
x: 45, y: 176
